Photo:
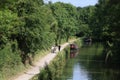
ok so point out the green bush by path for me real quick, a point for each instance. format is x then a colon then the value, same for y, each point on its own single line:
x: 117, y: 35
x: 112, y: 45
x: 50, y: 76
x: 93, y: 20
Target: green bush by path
x: 9, y: 59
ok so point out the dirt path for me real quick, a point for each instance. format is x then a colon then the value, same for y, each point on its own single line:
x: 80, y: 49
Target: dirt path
x: 27, y: 75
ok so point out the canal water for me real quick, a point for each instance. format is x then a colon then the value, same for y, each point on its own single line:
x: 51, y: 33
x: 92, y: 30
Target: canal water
x: 89, y: 65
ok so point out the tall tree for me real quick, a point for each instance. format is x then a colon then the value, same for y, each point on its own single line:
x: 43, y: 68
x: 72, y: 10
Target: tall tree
x: 84, y: 16
x: 35, y: 33
x: 65, y: 14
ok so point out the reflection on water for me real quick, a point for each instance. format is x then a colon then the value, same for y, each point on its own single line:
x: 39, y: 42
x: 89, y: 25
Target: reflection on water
x: 88, y: 65
x: 79, y: 72
x: 73, y: 53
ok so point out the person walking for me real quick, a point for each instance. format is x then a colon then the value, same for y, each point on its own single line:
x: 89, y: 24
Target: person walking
x: 59, y: 47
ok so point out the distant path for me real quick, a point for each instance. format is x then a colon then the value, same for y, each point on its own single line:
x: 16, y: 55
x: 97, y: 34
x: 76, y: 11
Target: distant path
x: 40, y: 64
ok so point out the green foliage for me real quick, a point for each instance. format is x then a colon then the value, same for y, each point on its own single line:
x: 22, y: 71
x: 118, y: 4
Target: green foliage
x: 9, y: 55
x: 55, y: 69
x: 8, y: 26
x: 9, y: 59
x: 27, y: 30
x: 7, y: 4
x: 106, y: 26
x: 34, y: 32
x: 84, y: 20
x: 65, y: 14
x: 9, y: 52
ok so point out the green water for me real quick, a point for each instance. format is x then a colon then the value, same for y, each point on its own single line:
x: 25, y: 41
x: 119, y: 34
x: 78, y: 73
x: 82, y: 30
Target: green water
x: 88, y: 64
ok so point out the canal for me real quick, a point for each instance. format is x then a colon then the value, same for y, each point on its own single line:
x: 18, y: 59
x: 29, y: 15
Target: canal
x: 88, y: 64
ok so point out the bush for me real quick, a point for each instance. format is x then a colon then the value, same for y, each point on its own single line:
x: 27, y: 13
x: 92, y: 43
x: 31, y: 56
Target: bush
x: 9, y: 58
x: 55, y: 69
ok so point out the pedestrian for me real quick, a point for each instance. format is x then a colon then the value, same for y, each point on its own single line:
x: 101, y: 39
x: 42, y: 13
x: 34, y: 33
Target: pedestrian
x: 52, y: 49
x: 59, y: 47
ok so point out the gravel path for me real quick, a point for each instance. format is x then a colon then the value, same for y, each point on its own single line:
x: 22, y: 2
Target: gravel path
x: 40, y: 64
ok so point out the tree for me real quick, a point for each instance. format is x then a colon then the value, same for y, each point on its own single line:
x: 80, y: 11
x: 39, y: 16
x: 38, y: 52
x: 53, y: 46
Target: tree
x: 107, y: 20
x: 35, y: 33
x: 65, y: 15
x: 84, y: 20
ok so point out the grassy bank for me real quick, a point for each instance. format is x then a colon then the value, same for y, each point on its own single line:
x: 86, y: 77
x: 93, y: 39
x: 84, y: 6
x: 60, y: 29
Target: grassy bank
x: 9, y: 73
x: 54, y: 69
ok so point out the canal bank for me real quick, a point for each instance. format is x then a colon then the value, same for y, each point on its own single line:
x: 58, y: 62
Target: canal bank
x: 55, y: 69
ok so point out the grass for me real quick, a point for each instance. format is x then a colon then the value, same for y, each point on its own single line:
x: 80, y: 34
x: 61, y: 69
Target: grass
x: 8, y: 73
x: 20, y: 69
x: 40, y: 53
